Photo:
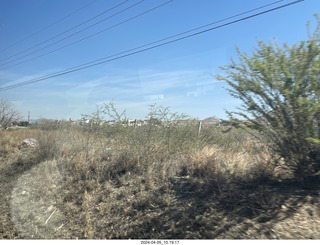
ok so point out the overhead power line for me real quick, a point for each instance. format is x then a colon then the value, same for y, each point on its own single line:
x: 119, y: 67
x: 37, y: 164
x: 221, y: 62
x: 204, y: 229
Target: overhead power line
x: 68, y: 30
x: 145, y: 45
x: 89, y: 36
x: 109, y: 58
x: 94, y: 34
x: 48, y: 26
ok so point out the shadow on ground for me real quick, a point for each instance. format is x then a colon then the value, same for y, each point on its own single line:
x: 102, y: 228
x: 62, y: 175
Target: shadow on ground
x: 243, y: 210
x: 259, y: 209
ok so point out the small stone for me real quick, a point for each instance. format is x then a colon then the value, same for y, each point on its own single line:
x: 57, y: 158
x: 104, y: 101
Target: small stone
x: 23, y: 193
x: 50, y: 208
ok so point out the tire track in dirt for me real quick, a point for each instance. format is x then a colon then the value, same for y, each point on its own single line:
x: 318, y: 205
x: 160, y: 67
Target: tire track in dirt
x: 9, y: 174
x: 7, y: 229
x: 34, y: 210
x: 27, y: 199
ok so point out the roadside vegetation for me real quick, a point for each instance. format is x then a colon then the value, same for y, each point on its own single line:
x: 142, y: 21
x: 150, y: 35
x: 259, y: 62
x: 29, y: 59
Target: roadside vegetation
x: 153, y: 181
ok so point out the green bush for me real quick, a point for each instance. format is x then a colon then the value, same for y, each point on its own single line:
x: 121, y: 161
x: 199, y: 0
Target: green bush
x: 280, y: 89
x: 23, y: 123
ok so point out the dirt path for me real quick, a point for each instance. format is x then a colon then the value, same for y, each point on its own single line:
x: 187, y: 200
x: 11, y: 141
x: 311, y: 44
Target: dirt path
x: 8, y: 178
x: 34, y: 209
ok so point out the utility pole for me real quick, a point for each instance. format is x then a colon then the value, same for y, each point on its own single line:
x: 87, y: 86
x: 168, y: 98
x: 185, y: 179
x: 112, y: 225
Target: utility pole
x: 28, y: 116
x: 199, y: 127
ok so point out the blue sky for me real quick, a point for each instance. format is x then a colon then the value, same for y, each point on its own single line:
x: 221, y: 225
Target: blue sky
x: 179, y: 75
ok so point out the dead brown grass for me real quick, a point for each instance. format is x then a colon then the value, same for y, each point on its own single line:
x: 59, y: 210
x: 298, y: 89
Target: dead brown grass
x: 70, y: 187
x: 11, y: 141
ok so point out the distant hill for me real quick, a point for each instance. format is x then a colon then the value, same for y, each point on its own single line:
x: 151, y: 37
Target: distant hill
x: 211, y: 121
x: 41, y: 120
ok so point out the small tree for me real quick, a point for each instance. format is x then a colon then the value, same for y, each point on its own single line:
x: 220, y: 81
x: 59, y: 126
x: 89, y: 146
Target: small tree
x: 8, y: 114
x: 23, y: 123
x: 280, y: 89
x: 109, y: 110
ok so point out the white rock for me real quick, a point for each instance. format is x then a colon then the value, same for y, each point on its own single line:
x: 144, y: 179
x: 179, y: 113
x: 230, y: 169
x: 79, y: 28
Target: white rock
x: 30, y: 142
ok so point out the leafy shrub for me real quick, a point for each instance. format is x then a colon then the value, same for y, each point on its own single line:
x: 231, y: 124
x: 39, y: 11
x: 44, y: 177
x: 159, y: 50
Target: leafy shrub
x: 23, y: 123
x: 280, y: 89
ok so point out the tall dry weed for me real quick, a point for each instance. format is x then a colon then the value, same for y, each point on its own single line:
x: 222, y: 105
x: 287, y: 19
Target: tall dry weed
x: 247, y: 162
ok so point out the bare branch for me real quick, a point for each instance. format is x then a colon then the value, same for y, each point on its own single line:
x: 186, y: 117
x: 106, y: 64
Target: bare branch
x: 8, y: 114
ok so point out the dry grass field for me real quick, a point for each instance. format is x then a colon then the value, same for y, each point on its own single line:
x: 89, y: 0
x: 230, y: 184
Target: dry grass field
x: 154, y: 183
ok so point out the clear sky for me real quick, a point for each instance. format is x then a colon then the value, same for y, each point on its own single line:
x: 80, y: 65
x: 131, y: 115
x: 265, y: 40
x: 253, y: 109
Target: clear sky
x: 179, y: 75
